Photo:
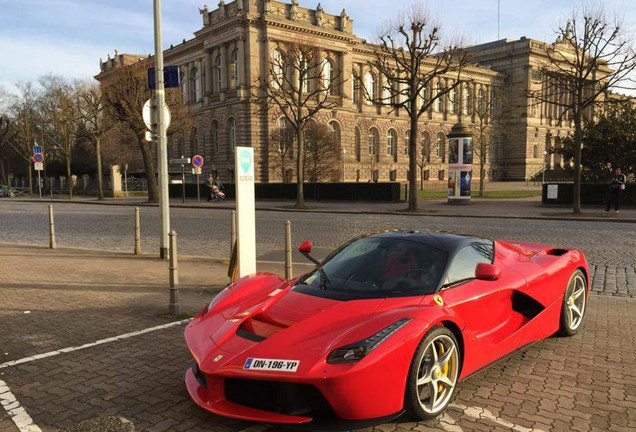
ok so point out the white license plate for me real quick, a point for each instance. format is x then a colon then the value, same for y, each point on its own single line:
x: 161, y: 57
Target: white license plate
x: 271, y: 365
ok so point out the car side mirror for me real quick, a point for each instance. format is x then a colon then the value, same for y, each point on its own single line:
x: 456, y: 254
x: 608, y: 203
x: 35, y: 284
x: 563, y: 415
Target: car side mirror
x: 305, y: 247
x: 487, y: 272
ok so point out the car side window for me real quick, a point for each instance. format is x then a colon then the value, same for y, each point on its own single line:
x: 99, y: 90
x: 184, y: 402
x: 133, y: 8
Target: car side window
x: 465, y: 261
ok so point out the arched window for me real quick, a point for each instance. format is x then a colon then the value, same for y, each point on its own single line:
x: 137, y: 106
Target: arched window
x: 426, y: 146
x: 437, y: 106
x: 195, y: 85
x: 441, y: 146
x: 535, y: 151
x: 234, y: 69
x: 219, y: 74
x: 452, y: 100
x: 467, y: 101
x: 305, y: 73
x: 231, y: 133
x: 358, y: 144
x: 481, y: 100
x: 369, y: 87
x: 277, y: 69
x: 282, y: 123
x: 214, y: 136
x: 391, y: 143
x: 374, y: 138
x: 184, y: 86
x: 328, y: 76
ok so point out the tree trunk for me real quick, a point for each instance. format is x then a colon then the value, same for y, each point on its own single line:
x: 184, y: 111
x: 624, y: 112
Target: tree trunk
x: 149, y: 168
x: 300, y: 193
x: 30, y: 173
x: 422, y: 178
x: 69, y: 177
x: 578, y: 138
x: 3, y: 172
x: 482, y: 174
x: 413, y: 165
x: 100, y: 177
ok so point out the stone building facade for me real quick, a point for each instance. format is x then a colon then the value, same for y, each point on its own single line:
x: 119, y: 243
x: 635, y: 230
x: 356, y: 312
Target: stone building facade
x: 233, y: 49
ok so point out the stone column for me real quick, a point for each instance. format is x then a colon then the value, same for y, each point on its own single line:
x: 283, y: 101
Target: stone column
x: 241, y: 62
x: 209, y: 68
x: 224, y: 70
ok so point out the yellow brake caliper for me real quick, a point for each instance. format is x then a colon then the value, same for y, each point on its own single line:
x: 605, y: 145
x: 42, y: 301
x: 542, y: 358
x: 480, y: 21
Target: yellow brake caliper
x: 444, y: 370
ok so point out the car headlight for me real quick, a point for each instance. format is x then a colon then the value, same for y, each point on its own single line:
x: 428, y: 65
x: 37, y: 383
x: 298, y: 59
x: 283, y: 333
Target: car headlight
x: 356, y: 351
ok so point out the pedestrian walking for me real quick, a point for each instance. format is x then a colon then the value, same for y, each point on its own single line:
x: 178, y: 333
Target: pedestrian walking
x: 617, y: 184
x: 210, y: 184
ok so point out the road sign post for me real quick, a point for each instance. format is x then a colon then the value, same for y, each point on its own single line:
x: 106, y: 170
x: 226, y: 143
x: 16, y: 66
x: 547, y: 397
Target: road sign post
x: 38, y: 165
x: 197, y: 163
x: 245, y: 210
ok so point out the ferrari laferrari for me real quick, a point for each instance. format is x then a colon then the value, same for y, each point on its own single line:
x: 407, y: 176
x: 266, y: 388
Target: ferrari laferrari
x: 388, y: 323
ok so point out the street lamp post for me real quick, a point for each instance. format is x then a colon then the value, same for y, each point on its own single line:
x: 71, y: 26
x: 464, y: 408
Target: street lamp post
x: 545, y: 154
x: 162, y: 150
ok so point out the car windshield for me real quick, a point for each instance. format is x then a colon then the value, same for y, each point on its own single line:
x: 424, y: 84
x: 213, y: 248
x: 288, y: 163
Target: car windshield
x: 380, y: 267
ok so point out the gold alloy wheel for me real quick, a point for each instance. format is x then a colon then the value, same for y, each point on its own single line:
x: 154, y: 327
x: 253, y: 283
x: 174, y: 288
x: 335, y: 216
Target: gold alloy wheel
x: 437, y: 374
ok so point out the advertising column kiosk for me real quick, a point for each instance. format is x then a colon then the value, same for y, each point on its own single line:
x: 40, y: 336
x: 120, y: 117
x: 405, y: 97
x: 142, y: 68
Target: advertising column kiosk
x: 460, y: 164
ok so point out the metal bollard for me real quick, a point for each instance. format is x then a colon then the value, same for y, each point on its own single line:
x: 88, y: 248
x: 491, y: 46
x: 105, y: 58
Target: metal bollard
x: 52, y: 243
x: 137, y: 232
x: 288, y: 252
x: 174, y: 307
x: 233, y: 232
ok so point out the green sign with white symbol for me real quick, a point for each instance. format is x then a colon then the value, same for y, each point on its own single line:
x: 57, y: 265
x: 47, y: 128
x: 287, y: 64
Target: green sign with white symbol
x: 245, y: 160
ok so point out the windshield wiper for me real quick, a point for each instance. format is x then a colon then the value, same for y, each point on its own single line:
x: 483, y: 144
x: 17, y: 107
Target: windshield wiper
x: 325, y: 279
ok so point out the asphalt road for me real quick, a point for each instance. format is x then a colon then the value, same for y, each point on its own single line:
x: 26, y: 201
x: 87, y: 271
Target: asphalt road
x: 609, y: 246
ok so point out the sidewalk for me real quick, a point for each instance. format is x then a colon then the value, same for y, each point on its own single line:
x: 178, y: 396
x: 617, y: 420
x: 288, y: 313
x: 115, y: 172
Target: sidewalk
x: 93, y: 340
x: 521, y: 208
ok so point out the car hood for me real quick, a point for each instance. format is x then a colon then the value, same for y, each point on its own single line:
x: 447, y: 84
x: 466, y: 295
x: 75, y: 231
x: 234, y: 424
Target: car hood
x: 285, y: 324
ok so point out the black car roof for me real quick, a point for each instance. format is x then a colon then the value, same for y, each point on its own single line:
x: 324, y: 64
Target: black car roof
x: 451, y: 243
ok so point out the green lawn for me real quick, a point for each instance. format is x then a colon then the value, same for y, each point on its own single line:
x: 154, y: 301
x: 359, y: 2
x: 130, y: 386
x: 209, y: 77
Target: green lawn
x: 435, y: 194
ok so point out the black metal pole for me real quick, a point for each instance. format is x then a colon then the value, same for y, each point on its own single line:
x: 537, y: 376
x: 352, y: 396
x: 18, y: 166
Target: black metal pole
x: 182, y: 182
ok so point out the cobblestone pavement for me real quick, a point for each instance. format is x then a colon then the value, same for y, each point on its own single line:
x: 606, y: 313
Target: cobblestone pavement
x: 584, y: 383
x: 609, y: 246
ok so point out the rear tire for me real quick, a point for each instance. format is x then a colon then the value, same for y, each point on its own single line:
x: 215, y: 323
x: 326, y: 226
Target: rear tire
x: 574, y: 304
x: 433, y: 374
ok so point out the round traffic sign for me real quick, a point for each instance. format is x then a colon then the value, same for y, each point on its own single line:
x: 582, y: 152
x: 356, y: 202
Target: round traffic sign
x: 197, y: 161
x: 38, y: 158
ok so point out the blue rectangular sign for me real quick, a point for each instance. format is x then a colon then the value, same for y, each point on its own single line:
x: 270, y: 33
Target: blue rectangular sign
x: 170, y: 77
x: 37, y: 149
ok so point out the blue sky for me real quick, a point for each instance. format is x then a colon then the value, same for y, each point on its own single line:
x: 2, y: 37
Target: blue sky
x: 67, y: 37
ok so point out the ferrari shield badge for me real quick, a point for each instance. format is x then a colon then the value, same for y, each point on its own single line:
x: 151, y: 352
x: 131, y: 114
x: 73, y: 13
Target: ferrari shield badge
x: 439, y: 300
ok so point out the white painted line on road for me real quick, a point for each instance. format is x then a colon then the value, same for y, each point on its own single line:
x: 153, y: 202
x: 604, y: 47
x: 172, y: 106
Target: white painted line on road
x: 91, y: 344
x: 20, y: 417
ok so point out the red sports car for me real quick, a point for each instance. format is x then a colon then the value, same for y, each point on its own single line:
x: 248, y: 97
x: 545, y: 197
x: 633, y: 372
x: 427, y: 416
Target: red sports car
x: 386, y: 324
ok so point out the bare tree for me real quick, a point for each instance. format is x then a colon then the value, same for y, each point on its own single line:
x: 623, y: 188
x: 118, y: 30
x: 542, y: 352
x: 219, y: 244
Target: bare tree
x: 281, y: 150
x: 411, y: 59
x: 26, y: 115
x: 425, y: 158
x: 593, y: 54
x: 125, y: 93
x: 7, y: 133
x: 96, y: 123
x: 491, y: 120
x: 61, y: 120
x: 298, y: 85
x: 321, y: 153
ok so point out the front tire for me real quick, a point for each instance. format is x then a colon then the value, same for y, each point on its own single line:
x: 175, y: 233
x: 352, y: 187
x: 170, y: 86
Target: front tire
x: 433, y: 374
x: 574, y: 304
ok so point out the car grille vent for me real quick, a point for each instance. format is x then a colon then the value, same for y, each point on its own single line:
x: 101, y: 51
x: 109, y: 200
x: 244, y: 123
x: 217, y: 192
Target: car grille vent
x: 278, y: 397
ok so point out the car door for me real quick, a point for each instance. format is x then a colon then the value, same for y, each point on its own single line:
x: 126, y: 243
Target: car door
x: 485, y: 307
